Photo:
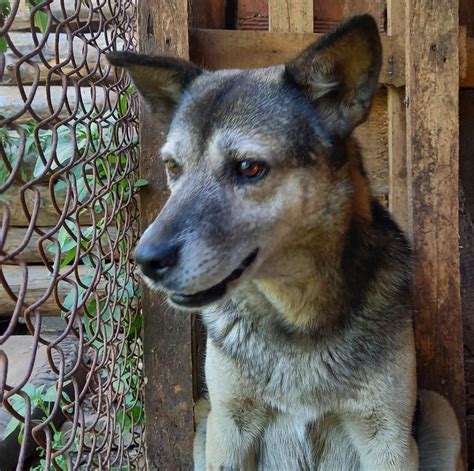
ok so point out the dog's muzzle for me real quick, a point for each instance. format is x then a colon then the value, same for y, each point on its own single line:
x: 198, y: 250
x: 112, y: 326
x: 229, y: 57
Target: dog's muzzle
x: 216, y: 292
x: 156, y: 260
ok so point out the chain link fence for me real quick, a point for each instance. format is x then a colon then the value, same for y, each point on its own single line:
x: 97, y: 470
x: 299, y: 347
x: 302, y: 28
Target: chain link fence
x: 71, y: 379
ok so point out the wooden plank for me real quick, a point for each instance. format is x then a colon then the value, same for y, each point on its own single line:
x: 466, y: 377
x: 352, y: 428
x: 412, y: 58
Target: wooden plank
x: 432, y: 37
x: 12, y: 104
x: 210, y: 14
x: 466, y: 223
x: 466, y: 229
x: 466, y: 15
x: 377, y: 8
x: 294, y: 16
x: 253, y: 14
x: 217, y: 49
x: 470, y: 438
x: 39, y: 66
x: 29, y: 252
x: 62, y: 10
x: 466, y: 160
x: 40, y: 197
x: 467, y: 81
x: 398, y: 203
x: 39, y: 283
x: 329, y: 11
x: 163, y: 28
x: 373, y: 140
x: 252, y: 8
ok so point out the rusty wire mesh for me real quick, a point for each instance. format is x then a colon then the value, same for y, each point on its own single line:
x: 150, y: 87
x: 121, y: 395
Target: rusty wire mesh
x: 70, y: 345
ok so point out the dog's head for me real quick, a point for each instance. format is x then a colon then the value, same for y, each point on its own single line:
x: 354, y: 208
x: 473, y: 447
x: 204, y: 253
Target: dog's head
x: 256, y: 160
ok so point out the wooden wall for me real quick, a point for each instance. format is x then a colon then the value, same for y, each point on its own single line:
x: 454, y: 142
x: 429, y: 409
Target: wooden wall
x: 466, y: 243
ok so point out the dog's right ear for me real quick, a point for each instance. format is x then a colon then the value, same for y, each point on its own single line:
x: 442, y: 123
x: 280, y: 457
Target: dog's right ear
x: 339, y: 73
x: 160, y: 80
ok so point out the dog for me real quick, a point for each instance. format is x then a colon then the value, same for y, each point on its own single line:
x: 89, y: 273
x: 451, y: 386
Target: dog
x: 302, y: 277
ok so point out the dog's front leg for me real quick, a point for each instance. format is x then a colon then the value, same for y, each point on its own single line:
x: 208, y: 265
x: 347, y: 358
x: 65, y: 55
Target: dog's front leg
x: 236, y: 421
x: 383, y: 443
x: 231, y: 445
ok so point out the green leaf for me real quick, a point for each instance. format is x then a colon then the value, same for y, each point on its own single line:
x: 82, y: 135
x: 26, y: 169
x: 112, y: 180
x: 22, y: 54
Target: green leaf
x: 41, y: 18
x: 51, y: 394
x: 123, y: 105
x: 3, y: 45
x: 39, y: 168
x: 11, y: 427
x: 68, y: 258
x: 141, y: 182
x: 29, y: 389
x: 5, y: 8
x: 20, y: 434
x: 41, y: 21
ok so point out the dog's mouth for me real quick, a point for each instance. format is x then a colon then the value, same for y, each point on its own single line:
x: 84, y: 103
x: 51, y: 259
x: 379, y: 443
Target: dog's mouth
x: 216, y: 292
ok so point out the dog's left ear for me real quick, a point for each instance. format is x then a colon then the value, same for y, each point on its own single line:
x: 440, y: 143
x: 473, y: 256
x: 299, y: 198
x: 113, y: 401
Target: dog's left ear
x: 340, y: 73
x: 160, y: 80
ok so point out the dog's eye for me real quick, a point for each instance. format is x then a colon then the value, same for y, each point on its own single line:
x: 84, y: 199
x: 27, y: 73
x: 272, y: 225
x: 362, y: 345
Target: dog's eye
x: 251, y: 169
x: 172, y: 166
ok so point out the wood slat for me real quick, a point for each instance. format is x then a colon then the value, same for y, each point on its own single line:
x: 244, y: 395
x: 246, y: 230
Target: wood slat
x: 38, y: 196
x: 466, y: 15
x: 466, y: 242
x: 12, y: 102
x: 398, y: 203
x: 468, y: 80
x: 217, y: 49
x: 39, y: 283
x: 373, y: 140
x: 209, y: 14
x: 30, y: 252
x: 163, y: 28
x: 62, y: 10
x: 294, y: 16
x: 432, y: 38
x: 377, y: 8
x: 39, y: 66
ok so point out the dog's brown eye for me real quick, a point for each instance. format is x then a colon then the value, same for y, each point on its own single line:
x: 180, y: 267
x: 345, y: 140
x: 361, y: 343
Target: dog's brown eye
x: 172, y: 167
x: 251, y: 169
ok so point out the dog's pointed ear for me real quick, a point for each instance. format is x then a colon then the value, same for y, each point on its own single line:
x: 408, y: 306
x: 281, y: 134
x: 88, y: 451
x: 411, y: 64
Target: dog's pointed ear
x: 159, y: 80
x: 340, y: 72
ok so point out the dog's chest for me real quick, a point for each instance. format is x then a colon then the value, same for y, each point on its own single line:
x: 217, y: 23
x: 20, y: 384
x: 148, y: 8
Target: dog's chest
x: 286, y: 373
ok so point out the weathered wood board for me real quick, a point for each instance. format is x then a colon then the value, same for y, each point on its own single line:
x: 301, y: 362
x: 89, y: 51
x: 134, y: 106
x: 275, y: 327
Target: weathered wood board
x: 42, y: 286
x: 432, y: 180
x: 163, y: 28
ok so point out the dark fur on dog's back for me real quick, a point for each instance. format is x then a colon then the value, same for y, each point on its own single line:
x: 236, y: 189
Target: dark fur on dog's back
x: 370, y: 248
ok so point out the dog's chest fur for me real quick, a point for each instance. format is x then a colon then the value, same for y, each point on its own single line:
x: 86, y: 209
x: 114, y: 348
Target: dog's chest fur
x: 291, y: 372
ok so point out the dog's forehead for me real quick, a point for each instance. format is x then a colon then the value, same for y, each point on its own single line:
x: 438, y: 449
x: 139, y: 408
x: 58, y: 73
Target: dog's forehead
x: 253, y: 111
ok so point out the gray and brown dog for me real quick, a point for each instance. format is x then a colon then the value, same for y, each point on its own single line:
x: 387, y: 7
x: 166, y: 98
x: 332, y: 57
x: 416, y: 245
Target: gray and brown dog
x: 303, y: 278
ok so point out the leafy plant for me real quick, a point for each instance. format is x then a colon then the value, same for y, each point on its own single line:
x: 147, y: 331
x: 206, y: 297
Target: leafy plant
x: 39, y: 399
x: 97, y: 173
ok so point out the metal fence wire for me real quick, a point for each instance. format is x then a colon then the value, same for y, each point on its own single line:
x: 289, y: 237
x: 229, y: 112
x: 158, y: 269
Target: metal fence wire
x: 71, y: 381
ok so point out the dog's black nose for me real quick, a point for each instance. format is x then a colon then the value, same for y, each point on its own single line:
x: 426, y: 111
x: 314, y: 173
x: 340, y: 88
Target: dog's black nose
x: 156, y: 259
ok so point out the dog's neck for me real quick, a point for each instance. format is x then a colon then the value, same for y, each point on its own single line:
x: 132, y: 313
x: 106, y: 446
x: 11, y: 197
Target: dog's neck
x: 316, y: 295
x: 311, y: 298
